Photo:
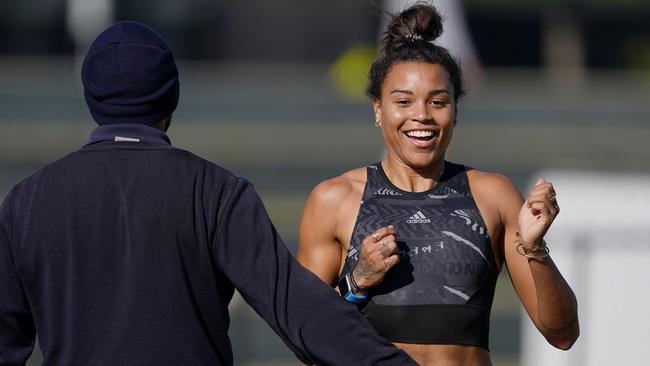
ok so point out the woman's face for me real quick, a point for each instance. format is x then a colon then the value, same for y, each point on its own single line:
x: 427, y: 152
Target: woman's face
x: 416, y: 113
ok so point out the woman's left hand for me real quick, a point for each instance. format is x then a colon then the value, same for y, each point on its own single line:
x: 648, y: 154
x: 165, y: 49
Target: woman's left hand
x: 538, y: 212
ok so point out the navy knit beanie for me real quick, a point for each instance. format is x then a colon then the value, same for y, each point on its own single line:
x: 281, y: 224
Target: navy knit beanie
x: 130, y: 76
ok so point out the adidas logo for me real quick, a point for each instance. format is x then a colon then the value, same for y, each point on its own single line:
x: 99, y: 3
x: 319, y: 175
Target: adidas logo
x: 418, y: 218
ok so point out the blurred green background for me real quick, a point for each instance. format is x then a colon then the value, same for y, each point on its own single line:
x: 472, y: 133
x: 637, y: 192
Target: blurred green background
x: 272, y: 91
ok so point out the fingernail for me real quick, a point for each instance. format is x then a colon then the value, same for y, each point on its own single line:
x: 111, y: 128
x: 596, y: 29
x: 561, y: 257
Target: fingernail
x: 391, y: 226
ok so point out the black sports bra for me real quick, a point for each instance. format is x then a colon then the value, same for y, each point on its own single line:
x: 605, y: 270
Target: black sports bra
x: 441, y: 291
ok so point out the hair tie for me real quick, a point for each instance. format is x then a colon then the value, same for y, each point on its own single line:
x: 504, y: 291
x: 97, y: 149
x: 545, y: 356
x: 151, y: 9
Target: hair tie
x: 412, y: 37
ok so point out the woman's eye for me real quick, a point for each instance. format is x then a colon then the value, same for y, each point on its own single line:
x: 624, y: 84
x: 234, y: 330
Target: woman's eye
x: 439, y: 103
x: 402, y: 102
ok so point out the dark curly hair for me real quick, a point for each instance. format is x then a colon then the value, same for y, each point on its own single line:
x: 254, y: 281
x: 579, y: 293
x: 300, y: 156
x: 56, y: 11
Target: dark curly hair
x: 409, y: 37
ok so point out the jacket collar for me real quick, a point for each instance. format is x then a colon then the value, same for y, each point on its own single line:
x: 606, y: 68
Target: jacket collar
x: 128, y: 132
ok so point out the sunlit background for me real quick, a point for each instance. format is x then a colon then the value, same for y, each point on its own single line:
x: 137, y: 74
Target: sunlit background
x: 273, y: 90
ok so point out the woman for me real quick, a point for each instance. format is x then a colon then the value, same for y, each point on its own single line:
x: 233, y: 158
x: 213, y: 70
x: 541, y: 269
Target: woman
x: 418, y: 241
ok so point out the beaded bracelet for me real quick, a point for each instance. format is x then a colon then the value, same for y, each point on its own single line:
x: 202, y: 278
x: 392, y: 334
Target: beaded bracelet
x: 530, y: 251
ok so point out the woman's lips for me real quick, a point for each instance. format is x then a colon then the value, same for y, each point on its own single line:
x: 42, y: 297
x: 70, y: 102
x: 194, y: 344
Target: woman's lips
x: 421, y: 138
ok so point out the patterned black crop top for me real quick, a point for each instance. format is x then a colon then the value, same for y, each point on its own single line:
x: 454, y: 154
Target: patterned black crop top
x: 441, y: 291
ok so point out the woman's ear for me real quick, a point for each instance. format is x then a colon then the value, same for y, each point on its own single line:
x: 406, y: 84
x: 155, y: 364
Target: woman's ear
x: 376, y: 105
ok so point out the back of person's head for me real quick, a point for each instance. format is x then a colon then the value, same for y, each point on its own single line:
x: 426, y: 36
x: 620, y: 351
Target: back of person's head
x: 408, y: 38
x: 130, y: 76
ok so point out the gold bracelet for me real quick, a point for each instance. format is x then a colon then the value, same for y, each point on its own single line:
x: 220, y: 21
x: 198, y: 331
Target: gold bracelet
x: 531, y: 251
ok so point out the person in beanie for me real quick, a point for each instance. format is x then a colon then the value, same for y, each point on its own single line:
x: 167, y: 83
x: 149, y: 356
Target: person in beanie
x: 128, y: 250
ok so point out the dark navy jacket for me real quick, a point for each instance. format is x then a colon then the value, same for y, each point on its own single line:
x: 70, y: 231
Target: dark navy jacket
x: 128, y: 253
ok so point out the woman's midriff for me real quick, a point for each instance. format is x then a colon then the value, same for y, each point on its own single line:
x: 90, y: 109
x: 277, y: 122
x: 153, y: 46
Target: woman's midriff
x: 446, y: 355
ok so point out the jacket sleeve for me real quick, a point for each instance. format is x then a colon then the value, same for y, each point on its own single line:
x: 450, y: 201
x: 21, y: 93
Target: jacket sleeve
x: 309, y: 316
x: 17, y: 331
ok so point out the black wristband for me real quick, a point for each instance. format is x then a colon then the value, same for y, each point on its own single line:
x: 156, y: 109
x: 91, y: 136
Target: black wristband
x: 355, y: 288
x: 346, y: 288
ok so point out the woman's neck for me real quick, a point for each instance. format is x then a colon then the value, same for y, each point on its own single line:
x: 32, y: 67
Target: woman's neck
x: 412, y: 179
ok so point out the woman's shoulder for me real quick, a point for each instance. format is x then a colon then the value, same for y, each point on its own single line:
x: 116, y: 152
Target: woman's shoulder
x: 342, y: 186
x: 495, y: 195
x: 489, y: 183
x: 487, y: 179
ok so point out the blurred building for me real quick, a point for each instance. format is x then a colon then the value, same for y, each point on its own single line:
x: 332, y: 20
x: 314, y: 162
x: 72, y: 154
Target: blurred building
x: 611, y: 34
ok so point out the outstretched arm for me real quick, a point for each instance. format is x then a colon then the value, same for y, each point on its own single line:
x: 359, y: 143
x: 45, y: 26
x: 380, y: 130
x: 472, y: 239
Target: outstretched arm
x: 308, y: 315
x: 545, y: 294
x: 17, y: 332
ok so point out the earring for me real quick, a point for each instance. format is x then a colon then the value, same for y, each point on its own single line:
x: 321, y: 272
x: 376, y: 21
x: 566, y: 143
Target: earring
x: 377, y: 123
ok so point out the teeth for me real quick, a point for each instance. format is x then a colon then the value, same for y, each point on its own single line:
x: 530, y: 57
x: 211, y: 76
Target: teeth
x: 419, y: 133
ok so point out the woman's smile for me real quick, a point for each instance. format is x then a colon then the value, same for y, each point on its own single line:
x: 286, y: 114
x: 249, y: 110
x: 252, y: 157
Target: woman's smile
x: 422, y: 138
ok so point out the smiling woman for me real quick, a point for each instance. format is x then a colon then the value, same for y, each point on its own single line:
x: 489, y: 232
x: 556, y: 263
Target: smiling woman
x: 417, y: 113
x: 417, y: 241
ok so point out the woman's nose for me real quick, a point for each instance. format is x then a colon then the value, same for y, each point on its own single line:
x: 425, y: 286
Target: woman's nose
x: 421, y: 113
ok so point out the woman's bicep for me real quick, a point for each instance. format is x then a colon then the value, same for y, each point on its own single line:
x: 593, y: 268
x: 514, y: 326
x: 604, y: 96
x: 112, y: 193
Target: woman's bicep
x: 318, y: 247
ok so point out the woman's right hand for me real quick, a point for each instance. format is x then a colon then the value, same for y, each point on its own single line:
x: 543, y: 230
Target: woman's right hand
x: 377, y: 254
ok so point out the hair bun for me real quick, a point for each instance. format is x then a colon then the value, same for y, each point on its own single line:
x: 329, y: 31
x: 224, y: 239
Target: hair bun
x: 419, y: 22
